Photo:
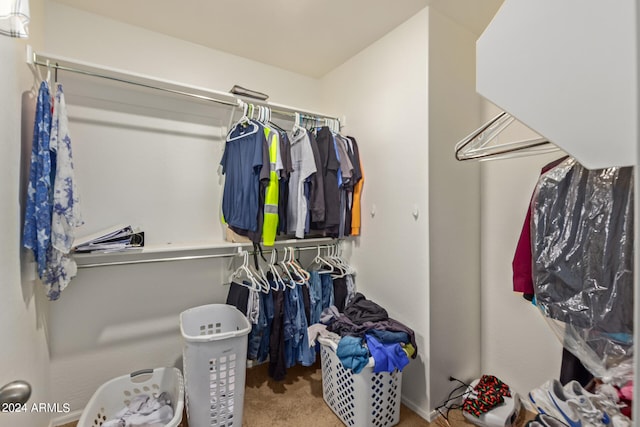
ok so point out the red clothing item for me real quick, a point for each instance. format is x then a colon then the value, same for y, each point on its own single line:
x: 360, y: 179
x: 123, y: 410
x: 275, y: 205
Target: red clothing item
x: 523, y: 259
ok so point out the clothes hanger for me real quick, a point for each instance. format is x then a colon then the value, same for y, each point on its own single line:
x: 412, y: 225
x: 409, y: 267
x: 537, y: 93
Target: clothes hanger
x: 275, y: 125
x: 260, y: 275
x: 297, y: 123
x: 236, y: 276
x: 260, y: 114
x: 291, y: 283
x: 337, y: 262
x: 297, y: 269
x: 48, y: 73
x: 477, y: 145
x: 322, y: 263
x: 277, y: 279
x: 349, y: 269
x: 245, y: 120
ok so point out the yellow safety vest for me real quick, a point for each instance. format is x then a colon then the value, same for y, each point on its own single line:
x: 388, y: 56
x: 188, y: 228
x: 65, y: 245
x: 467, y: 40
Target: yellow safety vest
x: 272, y: 193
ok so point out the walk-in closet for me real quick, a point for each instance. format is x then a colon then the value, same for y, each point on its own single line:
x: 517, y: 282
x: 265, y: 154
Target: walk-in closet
x: 150, y: 114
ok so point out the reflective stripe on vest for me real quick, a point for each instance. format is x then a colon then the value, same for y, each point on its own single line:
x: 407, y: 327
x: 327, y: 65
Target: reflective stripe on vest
x: 270, y: 224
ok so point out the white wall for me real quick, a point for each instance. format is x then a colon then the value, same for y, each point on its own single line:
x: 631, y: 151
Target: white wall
x: 24, y: 353
x: 80, y: 35
x: 454, y: 208
x: 517, y: 344
x: 152, y: 161
x: 383, y: 93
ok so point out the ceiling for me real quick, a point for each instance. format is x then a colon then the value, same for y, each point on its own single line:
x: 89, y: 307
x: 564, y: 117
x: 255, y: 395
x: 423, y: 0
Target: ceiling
x: 309, y: 37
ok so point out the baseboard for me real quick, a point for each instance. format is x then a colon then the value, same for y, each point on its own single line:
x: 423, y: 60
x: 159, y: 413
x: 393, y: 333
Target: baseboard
x: 418, y: 410
x: 66, y: 418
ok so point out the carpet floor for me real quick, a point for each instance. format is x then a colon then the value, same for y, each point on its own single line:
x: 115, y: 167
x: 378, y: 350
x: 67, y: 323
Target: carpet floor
x: 297, y: 401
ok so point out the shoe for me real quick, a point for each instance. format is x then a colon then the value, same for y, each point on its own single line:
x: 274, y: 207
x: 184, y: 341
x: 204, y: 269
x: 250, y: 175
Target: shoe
x: 576, y: 411
x: 539, y: 399
x: 543, y: 420
x: 605, y: 400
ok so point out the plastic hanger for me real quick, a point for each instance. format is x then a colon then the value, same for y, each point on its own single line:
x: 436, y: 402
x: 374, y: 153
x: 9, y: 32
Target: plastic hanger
x: 297, y: 124
x: 48, y: 73
x: 277, y: 279
x: 259, y: 274
x: 478, y: 144
x: 236, y: 276
x: 297, y: 269
x: 243, y: 121
x: 325, y: 266
x: 337, y: 262
x: 261, y: 279
x: 291, y: 283
x: 348, y: 268
x: 260, y: 117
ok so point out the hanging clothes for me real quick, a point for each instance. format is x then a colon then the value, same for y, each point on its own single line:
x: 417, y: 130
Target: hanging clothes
x: 243, y: 160
x: 66, y: 215
x: 585, y: 278
x: 286, y: 172
x: 354, y: 197
x: 346, y: 173
x: 522, y: 258
x: 272, y: 191
x: 316, y: 194
x: 582, y: 222
x: 277, y: 362
x: 37, y: 222
x: 330, y: 166
x: 303, y: 166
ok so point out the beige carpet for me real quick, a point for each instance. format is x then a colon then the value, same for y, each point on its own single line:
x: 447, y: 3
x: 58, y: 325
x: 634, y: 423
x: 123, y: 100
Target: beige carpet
x: 297, y: 401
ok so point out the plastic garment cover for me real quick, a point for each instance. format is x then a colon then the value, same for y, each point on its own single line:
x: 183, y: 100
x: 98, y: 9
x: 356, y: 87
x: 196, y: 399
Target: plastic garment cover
x: 582, y: 238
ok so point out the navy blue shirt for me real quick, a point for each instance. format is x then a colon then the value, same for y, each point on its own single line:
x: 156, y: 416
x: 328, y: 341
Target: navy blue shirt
x: 242, y: 163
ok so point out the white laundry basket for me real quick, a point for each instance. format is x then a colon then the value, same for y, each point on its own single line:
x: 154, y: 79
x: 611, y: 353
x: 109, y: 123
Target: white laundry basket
x: 215, y: 360
x: 115, y: 394
x: 365, y: 399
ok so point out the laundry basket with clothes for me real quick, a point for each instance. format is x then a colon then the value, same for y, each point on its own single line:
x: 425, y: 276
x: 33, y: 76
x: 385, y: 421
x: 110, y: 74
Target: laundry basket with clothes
x: 363, y: 354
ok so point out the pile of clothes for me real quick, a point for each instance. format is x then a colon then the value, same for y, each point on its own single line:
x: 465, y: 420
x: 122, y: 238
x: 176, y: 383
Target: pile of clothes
x: 363, y: 331
x: 144, y: 411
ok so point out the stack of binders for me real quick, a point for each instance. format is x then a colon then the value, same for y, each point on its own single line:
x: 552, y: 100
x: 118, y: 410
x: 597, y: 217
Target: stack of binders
x: 113, y: 239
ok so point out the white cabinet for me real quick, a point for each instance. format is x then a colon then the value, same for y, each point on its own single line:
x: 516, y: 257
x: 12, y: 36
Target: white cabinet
x: 569, y: 70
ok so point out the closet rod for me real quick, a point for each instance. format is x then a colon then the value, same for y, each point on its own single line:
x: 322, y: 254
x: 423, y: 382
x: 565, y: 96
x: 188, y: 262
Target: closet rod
x: 223, y: 98
x: 190, y: 257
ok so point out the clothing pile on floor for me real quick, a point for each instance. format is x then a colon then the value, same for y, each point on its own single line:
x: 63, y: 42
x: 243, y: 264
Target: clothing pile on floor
x: 363, y: 331
x: 486, y: 395
x: 144, y: 411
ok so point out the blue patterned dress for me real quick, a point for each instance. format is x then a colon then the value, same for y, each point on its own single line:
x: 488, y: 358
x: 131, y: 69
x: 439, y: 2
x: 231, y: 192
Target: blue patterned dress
x: 37, y: 222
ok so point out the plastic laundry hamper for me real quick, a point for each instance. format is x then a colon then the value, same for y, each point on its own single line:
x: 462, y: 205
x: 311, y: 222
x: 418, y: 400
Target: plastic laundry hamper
x: 117, y: 393
x: 363, y: 399
x: 215, y: 360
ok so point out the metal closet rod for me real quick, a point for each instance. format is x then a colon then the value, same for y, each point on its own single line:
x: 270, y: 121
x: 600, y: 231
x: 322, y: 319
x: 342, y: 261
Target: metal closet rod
x: 90, y: 70
x: 192, y: 257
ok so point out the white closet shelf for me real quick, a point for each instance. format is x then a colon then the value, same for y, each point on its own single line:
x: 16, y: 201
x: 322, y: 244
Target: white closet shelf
x: 183, y: 252
x: 177, y: 88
